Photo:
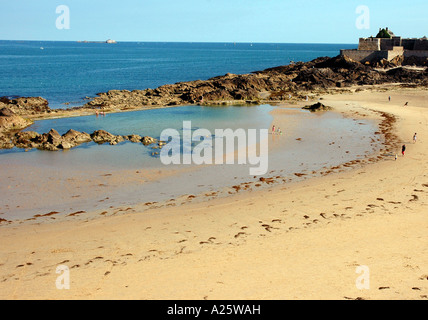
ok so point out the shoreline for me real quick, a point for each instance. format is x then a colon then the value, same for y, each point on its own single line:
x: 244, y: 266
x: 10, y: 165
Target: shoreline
x: 243, y: 183
x: 280, y: 243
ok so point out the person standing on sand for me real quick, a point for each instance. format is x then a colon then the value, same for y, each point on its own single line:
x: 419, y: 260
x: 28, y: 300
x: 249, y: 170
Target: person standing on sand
x: 403, y: 149
x: 414, y: 138
x: 273, y: 129
x: 396, y: 157
x: 389, y: 98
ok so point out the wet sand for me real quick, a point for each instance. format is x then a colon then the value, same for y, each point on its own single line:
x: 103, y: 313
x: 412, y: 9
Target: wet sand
x: 102, y: 178
x: 300, y: 240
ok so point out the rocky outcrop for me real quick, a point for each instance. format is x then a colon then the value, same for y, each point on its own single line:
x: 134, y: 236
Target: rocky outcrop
x: 26, y: 105
x: 317, y: 107
x: 148, y: 141
x: 76, y: 137
x: 53, y: 141
x: 5, y: 142
x: 102, y: 136
x: 262, y: 86
x: 11, y: 121
x: 133, y: 138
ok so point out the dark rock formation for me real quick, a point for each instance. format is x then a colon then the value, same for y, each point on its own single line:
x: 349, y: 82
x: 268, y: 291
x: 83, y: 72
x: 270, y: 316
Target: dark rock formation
x: 133, y: 138
x: 26, y: 105
x: 11, y: 121
x: 262, y: 86
x: 53, y: 141
x: 317, y: 107
x: 75, y: 137
x: 148, y: 140
x: 102, y: 136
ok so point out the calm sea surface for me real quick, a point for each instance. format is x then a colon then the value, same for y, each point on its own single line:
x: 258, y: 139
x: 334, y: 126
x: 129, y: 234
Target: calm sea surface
x: 69, y: 71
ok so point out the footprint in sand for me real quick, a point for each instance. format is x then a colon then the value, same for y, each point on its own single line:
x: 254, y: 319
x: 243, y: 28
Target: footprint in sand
x: 239, y: 234
x: 394, y: 202
x: 268, y: 227
x: 209, y: 241
x: 415, y: 198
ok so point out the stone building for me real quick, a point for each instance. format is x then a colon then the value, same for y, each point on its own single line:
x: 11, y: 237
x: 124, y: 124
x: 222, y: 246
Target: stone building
x: 374, y: 49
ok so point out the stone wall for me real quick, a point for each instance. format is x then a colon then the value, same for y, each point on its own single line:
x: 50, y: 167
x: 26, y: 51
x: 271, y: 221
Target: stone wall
x: 394, y: 52
x: 365, y: 55
x: 389, y: 44
x: 415, y: 44
x: 369, y: 44
x: 416, y: 53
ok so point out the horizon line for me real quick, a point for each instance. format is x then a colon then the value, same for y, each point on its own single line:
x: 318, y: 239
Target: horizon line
x: 152, y: 41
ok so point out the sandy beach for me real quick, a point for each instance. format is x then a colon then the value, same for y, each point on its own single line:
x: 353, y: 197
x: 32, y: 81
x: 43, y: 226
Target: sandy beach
x: 301, y: 240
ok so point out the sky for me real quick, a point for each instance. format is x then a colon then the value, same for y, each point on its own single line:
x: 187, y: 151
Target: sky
x: 265, y: 21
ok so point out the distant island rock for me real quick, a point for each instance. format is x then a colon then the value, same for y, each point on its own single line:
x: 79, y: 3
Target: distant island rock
x: 107, y: 41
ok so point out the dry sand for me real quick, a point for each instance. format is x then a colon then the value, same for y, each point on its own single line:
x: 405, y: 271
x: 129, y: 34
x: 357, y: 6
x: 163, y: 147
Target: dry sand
x: 294, y: 241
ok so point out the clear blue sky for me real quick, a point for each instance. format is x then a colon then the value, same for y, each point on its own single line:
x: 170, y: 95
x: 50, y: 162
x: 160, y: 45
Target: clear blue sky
x: 278, y: 21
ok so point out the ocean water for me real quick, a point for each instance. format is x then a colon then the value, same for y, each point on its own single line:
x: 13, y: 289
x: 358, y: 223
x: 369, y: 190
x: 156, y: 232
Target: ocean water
x: 79, y: 179
x: 67, y: 72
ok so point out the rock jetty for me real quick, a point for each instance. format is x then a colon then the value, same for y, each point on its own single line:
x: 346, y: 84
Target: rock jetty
x: 53, y: 141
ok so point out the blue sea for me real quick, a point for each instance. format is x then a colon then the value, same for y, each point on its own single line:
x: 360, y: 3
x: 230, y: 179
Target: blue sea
x: 67, y: 72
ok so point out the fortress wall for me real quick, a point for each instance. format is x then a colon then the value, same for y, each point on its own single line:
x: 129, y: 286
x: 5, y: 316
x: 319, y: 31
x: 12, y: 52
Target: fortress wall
x: 386, y: 44
x: 365, y: 55
x: 415, y: 44
x: 421, y: 44
x: 408, y: 44
x: 416, y: 53
x: 369, y: 44
x: 396, y: 51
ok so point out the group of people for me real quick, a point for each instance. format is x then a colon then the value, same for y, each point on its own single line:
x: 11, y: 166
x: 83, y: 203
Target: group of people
x: 102, y: 113
x: 276, y: 130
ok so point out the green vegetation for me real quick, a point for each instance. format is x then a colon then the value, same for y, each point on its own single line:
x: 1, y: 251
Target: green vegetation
x: 383, y: 34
